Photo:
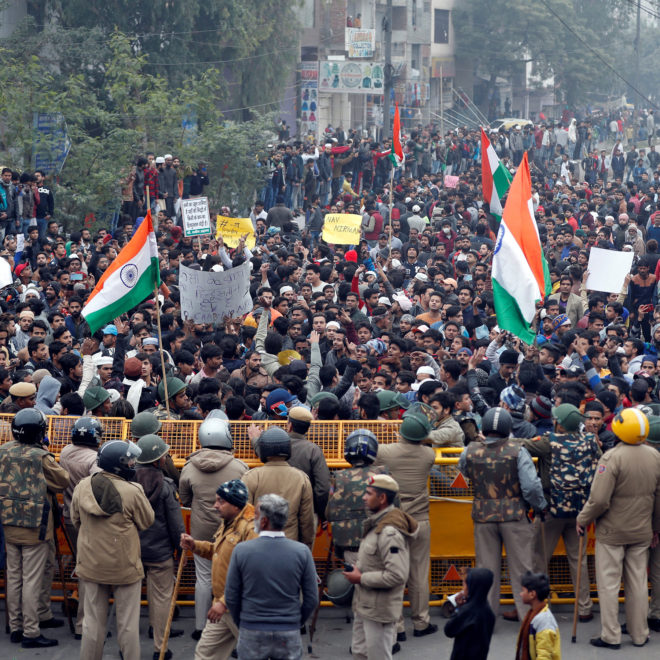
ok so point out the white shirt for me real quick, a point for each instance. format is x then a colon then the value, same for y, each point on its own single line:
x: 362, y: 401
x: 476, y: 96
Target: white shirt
x: 274, y: 535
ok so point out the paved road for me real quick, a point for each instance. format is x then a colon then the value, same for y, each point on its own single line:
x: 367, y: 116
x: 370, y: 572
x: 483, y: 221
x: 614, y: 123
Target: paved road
x: 333, y: 639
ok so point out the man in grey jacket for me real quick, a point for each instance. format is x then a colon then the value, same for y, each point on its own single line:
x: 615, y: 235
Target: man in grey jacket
x: 264, y: 583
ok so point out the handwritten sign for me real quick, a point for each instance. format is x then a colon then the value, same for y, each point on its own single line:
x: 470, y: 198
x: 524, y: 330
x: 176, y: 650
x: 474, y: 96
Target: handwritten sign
x: 451, y: 181
x: 608, y: 270
x: 195, y: 214
x: 342, y: 228
x: 231, y: 230
x: 209, y: 297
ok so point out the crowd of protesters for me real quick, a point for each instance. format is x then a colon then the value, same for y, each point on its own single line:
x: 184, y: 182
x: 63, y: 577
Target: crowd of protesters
x: 404, y: 318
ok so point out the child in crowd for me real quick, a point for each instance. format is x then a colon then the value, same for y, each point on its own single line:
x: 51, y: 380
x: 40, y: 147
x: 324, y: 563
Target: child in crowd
x: 539, y: 632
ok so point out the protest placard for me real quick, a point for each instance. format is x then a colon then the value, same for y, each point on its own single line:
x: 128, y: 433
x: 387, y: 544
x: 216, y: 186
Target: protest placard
x: 231, y: 230
x: 208, y: 297
x: 195, y: 214
x: 450, y: 181
x: 608, y: 269
x: 342, y: 228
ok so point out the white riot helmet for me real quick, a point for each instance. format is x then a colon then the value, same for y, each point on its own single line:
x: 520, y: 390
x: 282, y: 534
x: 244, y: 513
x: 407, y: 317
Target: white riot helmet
x: 215, y: 433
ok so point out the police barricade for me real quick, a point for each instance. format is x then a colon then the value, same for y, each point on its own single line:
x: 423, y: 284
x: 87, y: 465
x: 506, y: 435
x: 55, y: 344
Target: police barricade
x: 452, y: 544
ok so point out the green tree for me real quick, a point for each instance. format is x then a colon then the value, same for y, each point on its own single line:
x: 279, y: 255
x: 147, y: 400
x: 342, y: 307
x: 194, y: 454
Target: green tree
x: 115, y: 110
x: 498, y: 35
x: 253, y: 42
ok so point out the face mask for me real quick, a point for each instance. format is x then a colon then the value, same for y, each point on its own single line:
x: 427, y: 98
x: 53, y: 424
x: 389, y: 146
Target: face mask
x: 446, y: 230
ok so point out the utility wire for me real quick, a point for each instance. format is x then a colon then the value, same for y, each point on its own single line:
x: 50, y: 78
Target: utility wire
x: 597, y: 54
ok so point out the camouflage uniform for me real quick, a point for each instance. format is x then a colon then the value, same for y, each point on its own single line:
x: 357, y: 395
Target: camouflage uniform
x: 567, y: 464
x: 161, y: 413
x: 346, y: 510
x: 505, y: 485
x: 27, y: 473
x: 469, y: 425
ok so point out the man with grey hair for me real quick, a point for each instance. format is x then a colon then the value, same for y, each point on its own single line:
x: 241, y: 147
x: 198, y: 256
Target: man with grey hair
x: 264, y: 582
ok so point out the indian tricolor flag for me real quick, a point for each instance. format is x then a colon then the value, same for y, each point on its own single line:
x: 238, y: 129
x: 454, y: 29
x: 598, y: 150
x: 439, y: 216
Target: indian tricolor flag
x: 520, y: 271
x: 396, y: 154
x: 495, y: 178
x: 130, y: 278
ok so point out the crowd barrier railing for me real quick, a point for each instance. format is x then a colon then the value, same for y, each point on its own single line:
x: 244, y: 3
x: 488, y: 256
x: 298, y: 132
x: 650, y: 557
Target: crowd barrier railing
x: 450, y: 500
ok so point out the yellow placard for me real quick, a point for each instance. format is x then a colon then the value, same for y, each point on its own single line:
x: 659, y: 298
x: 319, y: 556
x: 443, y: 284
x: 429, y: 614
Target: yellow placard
x: 231, y: 230
x: 342, y: 228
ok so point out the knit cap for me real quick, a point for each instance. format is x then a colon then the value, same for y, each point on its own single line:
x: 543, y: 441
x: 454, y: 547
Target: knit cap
x: 514, y: 397
x: 235, y: 492
x: 541, y: 406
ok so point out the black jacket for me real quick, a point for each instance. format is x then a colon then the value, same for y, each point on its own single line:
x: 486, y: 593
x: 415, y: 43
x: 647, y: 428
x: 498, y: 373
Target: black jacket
x: 158, y: 542
x: 46, y: 203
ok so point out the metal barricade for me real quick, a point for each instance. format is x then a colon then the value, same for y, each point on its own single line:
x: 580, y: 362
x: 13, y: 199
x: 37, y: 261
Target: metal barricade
x: 452, y: 545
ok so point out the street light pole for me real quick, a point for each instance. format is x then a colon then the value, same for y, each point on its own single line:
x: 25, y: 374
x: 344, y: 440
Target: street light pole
x: 387, y: 90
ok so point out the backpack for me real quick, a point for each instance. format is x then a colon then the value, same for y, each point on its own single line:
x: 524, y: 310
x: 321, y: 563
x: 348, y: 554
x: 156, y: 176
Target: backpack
x: 574, y: 458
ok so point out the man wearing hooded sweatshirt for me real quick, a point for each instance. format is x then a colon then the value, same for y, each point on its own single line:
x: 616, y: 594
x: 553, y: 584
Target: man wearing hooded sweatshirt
x: 211, y: 465
x: 161, y: 540
x: 47, y: 394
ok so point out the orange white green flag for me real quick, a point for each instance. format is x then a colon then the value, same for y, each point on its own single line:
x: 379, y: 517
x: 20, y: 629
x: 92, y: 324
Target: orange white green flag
x: 396, y: 154
x: 495, y: 178
x: 520, y: 272
x: 130, y: 278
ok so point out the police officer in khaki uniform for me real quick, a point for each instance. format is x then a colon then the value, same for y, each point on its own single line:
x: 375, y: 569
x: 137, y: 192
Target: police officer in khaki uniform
x: 625, y: 504
x: 381, y: 571
x: 345, y: 510
x: 505, y: 485
x: 28, y: 473
x: 79, y: 460
x: 410, y: 464
x: 21, y: 395
x: 278, y: 477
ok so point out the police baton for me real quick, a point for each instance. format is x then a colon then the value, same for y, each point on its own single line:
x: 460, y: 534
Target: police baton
x: 58, y: 523
x: 170, y: 616
x: 322, y: 584
x: 577, y: 587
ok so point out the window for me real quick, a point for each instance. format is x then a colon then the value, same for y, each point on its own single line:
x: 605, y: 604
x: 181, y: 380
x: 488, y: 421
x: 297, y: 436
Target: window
x: 399, y: 18
x: 441, y: 26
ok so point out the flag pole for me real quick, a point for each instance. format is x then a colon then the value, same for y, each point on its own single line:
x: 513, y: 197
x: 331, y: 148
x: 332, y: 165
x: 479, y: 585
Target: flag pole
x: 160, y: 333
x: 391, y: 202
x: 162, y: 355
